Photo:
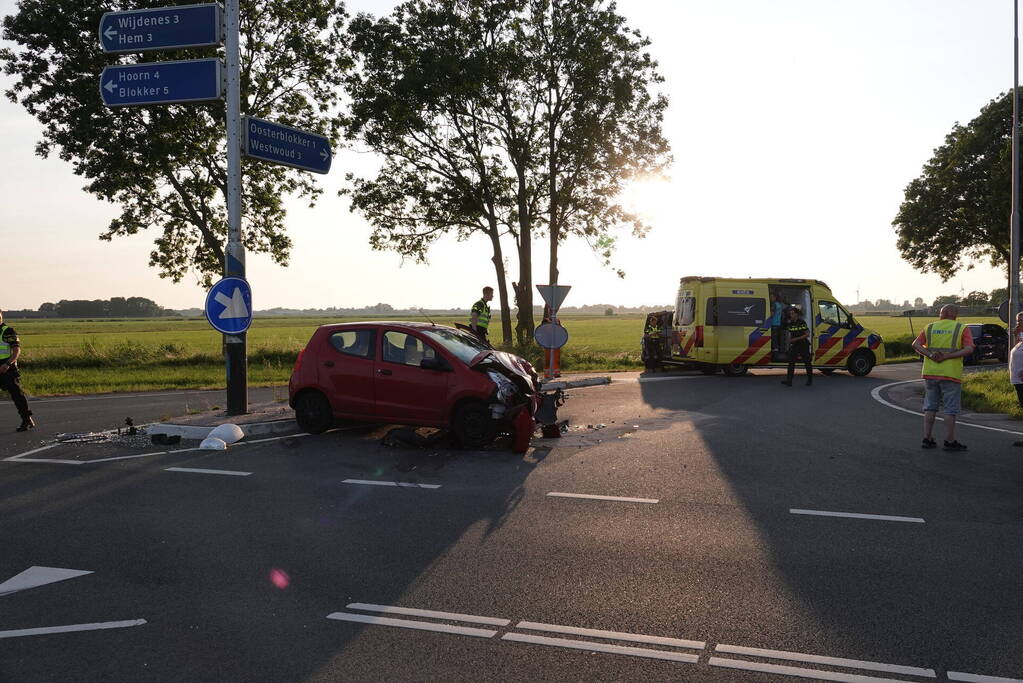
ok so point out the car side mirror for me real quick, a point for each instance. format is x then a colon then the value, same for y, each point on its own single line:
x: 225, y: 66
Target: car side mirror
x: 433, y: 364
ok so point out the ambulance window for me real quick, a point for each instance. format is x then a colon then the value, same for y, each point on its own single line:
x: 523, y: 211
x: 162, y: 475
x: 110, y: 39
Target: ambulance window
x: 685, y: 312
x: 832, y: 314
x: 735, y: 311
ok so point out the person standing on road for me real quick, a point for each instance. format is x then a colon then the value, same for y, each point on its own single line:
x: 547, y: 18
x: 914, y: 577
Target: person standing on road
x: 10, y: 349
x: 652, y: 342
x: 479, y: 319
x: 1016, y: 363
x: 799, y: 346
x: 943, y: 344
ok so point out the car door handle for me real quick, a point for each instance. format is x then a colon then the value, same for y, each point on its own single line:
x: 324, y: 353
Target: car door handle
x: 329, y: 363
x: 384, y: 371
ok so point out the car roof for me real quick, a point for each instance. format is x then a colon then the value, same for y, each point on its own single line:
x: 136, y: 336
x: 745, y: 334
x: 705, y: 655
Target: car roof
x: 407, y: 324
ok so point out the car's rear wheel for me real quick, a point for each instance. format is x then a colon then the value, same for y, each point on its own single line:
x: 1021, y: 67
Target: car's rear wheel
x: 313, y: 412
x: 734, y: 369
x: 860, y: 363
x: 472, y: 426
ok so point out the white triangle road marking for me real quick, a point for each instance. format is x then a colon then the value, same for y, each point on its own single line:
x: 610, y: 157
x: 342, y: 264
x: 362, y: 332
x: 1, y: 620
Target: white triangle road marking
x: 33, y: 577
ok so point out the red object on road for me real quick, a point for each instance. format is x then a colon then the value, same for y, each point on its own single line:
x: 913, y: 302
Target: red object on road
x: 523, y: 427
x: 410, y: 373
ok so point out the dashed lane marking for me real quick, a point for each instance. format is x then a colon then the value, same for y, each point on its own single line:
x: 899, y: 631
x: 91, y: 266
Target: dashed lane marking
x: 875, y: 393
x: 831, y: 661
x: 611, y: 635
x: 197, y: 470
x: 857, y: 515
x: 590, y: 496
x: 377, y: 482
x: 818, y: 674
x: 977, y: 678
x: 71, y: 628
x: 602, y: 647
x: 409, y: 623
x: 432, y: 614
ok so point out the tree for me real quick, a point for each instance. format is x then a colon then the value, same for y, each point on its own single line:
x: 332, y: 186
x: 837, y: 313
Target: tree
x: 998, y: 296
x: 948, y: 299
x: 957, y: 211
x: 165, y: 167
x: 975, y: 298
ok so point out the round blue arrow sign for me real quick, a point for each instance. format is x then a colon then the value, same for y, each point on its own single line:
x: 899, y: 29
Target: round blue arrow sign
x: 229, y: 306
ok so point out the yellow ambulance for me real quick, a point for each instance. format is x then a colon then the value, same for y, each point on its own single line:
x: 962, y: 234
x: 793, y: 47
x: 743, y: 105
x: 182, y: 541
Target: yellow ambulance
x: 723, y: 323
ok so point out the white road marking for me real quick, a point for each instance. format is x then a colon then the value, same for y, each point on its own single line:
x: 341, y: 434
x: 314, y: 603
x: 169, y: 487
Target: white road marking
x: 408, y: 623
x: 33, y: 577
x: 602, y: 647
x: 68, y: 629
x: 856, y: 515
x: 613, y: 635
x: 977, y: 678
x: 453, y: 616
x: 201, y: 471
x: 819, y: 674
x: 377, y: 482
x: 619, y: 499
x: 875, y: 393
x: 21, y: 457
x: 832, y: 661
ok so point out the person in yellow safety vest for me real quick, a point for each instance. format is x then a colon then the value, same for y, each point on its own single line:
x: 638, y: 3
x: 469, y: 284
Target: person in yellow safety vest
x: 652, y: 341
x: 10, y: 349
x: 479, y: 318
x: 943, y: 344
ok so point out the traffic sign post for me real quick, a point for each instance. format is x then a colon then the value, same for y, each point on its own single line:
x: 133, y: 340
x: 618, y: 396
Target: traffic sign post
x: 552, y: 333
x: 235, y: 346
x: 229, y: 306
x: 285, y: 145
x: 161, y: 28
x: 138, y: 85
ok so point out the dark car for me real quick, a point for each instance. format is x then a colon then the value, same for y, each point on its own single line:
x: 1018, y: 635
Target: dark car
x: 412, y: 373
x: 989, y: 341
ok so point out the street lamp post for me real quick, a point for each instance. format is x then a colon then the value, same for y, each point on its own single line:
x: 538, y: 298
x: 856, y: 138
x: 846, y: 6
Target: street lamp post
x: 1014, y: 235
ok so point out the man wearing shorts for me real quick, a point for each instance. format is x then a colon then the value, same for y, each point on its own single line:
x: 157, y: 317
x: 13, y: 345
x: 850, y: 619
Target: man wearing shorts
x: 943, y: 344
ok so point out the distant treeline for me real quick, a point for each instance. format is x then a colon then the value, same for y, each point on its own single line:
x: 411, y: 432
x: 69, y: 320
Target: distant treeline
x: 387, y: 309
x: 115, y: 307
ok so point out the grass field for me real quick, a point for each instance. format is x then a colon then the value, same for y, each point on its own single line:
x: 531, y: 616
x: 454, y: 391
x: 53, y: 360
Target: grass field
x: 90, y: 356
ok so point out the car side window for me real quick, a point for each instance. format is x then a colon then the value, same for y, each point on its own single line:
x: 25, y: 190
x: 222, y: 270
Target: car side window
x: 405, y: 349
x: 830, y: 313
x: 357, y: 343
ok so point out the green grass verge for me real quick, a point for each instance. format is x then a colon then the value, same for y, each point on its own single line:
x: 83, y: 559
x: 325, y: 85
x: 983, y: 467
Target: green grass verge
x: 990, y: 392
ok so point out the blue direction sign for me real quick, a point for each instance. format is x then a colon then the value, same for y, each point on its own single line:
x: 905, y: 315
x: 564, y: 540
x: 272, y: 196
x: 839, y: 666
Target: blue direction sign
x: 161, y: 28
x: 135, y: 85
x: 229, y: 306
x: 286, y: 145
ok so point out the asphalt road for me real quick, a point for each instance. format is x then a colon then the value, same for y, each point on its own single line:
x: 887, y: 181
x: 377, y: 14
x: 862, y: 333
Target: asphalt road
x: 284, y: 571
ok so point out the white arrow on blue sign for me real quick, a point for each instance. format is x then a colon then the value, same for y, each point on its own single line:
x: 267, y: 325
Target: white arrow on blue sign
x: 135, y: 85
x: 286, y: 145
x: 161, y: 28
x: 229, y: 305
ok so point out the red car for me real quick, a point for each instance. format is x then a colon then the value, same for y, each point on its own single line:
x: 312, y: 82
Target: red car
x: 415, y: 374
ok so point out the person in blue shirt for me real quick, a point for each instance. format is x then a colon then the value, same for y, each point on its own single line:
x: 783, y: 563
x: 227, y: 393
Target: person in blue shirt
x: 774, y: 322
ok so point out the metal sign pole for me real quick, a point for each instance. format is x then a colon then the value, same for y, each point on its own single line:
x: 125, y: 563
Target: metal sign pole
x: 1014, y: 235
x: 235, y: 354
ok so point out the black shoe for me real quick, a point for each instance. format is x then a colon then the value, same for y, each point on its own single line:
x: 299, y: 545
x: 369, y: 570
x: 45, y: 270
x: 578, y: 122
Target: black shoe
x: 786, y: 382
x: 27, y: 423
x: 928, y: 443
x: 953, y: 446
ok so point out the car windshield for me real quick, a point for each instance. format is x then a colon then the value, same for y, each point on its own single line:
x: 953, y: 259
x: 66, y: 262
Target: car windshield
x: 463, y: 345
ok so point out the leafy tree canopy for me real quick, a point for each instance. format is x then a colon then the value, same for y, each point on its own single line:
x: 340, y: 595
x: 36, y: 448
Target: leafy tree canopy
x: 957, y: 212
x: 165, y: 167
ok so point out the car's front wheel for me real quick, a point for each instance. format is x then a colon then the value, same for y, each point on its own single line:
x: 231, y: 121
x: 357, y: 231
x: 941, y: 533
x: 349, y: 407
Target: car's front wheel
x: 472, y: 425
x: 313, y: 412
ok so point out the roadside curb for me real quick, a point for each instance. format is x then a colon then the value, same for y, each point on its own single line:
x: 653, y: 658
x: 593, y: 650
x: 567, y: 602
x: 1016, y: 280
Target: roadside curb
x: 906, y: 396
x: 200, y: 432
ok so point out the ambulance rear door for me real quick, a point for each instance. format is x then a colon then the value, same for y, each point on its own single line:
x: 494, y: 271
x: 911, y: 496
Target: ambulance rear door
x: 734, y: 319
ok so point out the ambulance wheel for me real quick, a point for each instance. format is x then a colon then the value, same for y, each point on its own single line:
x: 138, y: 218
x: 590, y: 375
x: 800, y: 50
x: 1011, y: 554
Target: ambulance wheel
x: 860, y: 363
x: 734, y: 370
x: 827, y: 371
x: 709, y: 369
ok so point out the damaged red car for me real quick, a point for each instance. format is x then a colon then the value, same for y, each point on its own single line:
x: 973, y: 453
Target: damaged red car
x: 413, y: 374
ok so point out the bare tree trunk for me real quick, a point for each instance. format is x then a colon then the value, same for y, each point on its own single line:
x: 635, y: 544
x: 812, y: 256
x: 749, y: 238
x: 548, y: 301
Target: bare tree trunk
x: 502, y: 285
x: 525, y: 326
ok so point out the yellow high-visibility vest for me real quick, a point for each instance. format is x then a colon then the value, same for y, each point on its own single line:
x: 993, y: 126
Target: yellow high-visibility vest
x: 944, y: 335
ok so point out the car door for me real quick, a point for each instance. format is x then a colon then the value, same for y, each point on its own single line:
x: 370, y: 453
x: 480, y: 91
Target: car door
x: 405, y: 391
x: 347, y: 368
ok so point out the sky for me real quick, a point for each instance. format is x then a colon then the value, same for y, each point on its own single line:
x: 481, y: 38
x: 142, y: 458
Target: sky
x: 795, y: 126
